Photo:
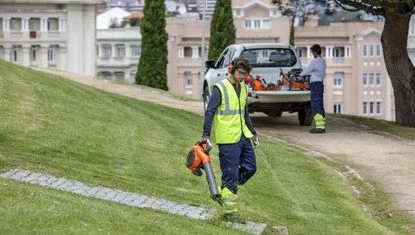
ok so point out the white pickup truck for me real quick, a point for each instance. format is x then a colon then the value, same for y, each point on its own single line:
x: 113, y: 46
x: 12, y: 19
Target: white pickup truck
x: 271, y: 63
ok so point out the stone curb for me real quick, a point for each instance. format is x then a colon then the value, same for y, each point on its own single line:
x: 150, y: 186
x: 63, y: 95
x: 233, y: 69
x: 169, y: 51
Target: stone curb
x: 126, y: 198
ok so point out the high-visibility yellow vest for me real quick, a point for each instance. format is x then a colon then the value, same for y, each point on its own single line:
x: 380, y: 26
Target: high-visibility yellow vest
x: 229, y: 121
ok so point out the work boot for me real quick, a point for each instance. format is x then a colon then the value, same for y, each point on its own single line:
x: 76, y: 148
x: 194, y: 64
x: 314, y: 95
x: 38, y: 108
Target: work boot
x: 317, y: 131
x: 229, y: 200
x: 320, y: 124
x: 234, y: 218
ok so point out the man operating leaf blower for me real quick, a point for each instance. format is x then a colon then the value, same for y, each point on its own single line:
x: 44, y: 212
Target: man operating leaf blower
x: 233, y: 131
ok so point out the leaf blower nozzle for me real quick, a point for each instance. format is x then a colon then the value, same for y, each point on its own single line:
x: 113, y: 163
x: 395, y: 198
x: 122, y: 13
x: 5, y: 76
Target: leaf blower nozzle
x: 197, y: 159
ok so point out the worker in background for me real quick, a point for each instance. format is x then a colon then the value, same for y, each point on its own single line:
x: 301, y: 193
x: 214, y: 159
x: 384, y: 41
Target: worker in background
x: 316, y: 69
x: 233, y: 131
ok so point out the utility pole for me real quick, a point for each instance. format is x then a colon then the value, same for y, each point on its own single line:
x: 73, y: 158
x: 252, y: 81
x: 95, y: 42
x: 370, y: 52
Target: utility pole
x: 202, y: 59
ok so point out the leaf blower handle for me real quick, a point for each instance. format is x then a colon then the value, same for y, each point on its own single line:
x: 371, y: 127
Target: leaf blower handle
x: 205, y: 143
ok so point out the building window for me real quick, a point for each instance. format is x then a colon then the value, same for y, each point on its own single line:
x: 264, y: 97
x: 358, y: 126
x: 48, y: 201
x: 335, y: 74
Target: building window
x: 189, y: 82
x: 257, y: 23
x: 188, y: 52
x: 188, y: 77
x: 51, y: 55
x: 364, y: 107
x: 14, y: 24
x: 301, y: 52
x: 119, y: 76
x: 364, y: 79
x: 248, y: 24
x: 338, y: 52
x: 378, y: 79
x: 378, y: 107
x: 338, y: 80
x: 365, y: 50
x: 135, y: 51
x: 378, y: 50
x: 15, y: 55
x: 371, y: 108
x: 372, y: 50
x: 106, y: 50
x: 106, y: 75
x: 119, y: 50
x: 337, y: 107
x: 200, y: 52
x: 33, y: 54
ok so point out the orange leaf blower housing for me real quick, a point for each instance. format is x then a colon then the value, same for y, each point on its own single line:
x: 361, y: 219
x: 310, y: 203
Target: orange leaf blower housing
x: 198, y: 158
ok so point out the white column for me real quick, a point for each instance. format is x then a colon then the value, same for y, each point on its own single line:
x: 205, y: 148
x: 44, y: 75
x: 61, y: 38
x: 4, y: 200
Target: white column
x: 62, y: 24
x: 330, y: 52
x: 43, y: 24
x: 195, y: 52
x: 61, y: 54
x: 25, y: 24
x: 6, y: 24
x: 7, y: 55
x: 43, y: 57
x: 25, y: 56
x: 349, y: 52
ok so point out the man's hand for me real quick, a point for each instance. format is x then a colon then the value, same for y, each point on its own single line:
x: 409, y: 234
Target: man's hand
x: 255, y: 141
x: 205, y: 141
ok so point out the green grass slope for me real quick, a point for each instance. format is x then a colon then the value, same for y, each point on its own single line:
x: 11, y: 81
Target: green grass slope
x: 52, y: 125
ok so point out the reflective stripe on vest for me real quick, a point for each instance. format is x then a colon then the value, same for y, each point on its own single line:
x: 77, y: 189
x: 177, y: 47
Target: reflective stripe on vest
x: 229, y: 121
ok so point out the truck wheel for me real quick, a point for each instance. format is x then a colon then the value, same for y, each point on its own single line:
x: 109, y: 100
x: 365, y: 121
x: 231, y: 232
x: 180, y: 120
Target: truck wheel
x: 304, y: 117
x: 206, y: 97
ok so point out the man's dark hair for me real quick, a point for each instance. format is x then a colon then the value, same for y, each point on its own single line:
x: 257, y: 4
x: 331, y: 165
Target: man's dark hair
x: 316, y: 48
x: 241, y: 63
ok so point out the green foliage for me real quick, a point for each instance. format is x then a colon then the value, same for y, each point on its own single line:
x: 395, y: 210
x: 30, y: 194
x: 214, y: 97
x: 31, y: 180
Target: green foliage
x: 152, y: 67
x: 114, y: 23
x: 222, y: 28
x: 133, y: 22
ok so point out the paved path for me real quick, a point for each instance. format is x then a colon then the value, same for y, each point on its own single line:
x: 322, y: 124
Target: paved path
x: 126, y: 198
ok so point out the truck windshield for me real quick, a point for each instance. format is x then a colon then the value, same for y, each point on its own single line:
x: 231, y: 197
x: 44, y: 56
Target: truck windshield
x: 270, y: 57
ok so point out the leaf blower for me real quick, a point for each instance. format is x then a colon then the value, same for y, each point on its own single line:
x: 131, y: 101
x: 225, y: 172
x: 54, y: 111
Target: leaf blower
x: 198, y: 158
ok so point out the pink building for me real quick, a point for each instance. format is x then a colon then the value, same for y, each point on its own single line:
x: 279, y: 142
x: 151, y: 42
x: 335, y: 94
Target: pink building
x: 356, y: 83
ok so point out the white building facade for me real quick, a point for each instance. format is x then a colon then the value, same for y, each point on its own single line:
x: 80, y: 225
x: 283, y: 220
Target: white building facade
x: 50, y: 34
x: 119, y: 51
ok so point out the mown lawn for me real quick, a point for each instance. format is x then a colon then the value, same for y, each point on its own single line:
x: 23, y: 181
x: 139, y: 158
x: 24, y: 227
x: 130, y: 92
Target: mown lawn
x: 52, y: 125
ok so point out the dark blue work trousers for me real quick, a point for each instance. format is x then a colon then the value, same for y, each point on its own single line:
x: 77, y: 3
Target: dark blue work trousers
x: 237, y: 163
x: 317, y: 102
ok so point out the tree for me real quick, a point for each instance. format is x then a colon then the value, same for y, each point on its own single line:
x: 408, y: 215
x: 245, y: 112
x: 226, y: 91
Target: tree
x: 222, y: 29
x: 394, y: 39
x: 152, y: 67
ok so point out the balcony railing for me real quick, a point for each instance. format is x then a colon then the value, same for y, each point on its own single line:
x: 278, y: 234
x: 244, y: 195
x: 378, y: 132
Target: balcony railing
x: 54, y: 34
x: 31, y: 35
